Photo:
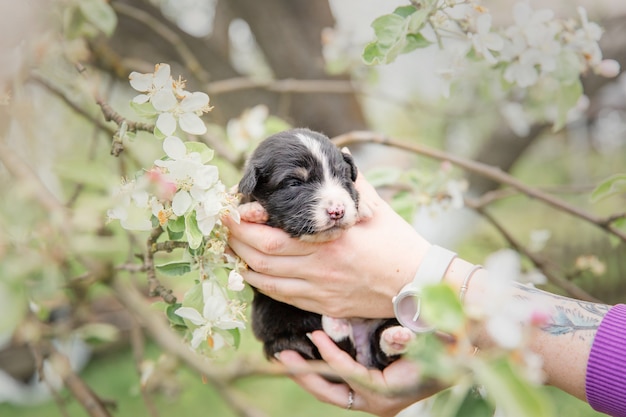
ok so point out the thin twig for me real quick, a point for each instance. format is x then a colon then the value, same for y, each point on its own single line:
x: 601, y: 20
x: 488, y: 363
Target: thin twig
x: 487, y: 171
x: 156, y: 289
x: 165, y: 337
x: 169, y: 35
x: 138, y: 345
x: 113, y: 116
x: 39, y: 358
x: 569, y: 287
x: 78, y: 109
x: 92, y: 404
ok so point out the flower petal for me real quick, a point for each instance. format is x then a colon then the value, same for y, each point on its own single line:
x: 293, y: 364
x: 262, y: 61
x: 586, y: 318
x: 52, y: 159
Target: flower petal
x: 161, y: 75
x: 190, y: 314
x: 174, y: 147
x: 192, y: 124
x: 166, y: 123
x: 181, y: 203
x: 140, y: 82
x: 235, y: 281
x: 199, y: 335
x: 194, y: 102
x: 141, y: 98
x: 164, y: 100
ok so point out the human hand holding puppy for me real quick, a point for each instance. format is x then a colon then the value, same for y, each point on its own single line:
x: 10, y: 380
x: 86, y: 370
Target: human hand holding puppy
x: 347, y: 277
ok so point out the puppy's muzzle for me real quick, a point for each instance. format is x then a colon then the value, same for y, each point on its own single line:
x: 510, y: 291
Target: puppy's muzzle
x: 336, y: 211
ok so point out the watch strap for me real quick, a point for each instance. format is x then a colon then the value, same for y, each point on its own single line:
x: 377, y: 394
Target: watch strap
x: 407, y: 304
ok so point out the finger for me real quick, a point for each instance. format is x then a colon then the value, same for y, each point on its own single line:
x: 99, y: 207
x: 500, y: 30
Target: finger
x: 339, y: 360
x: 287, y: 290
x: 266, y: 239
x: 263, y: 263
x: 318, y: 386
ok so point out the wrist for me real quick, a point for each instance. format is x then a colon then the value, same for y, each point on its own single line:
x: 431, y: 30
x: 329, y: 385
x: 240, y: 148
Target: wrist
x: 431, y: 270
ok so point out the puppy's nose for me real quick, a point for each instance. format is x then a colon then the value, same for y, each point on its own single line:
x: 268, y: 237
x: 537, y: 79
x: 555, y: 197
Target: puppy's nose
x: 336, y: 212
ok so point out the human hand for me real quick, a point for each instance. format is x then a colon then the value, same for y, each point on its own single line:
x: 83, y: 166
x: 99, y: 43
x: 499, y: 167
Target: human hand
x: 383, y: 393
x: 355, y: 275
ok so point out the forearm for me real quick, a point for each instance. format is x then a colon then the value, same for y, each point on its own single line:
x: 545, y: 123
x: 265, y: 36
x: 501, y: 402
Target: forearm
x: 562, y: 336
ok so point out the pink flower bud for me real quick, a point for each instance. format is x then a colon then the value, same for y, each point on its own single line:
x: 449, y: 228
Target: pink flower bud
x: 608, y: 68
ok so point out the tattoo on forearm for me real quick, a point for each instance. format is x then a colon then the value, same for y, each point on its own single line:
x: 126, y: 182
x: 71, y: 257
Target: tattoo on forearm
x: 575, y: 317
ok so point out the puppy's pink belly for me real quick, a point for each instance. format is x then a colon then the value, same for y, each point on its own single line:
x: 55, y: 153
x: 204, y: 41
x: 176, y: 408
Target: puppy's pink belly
x: 361, y: 330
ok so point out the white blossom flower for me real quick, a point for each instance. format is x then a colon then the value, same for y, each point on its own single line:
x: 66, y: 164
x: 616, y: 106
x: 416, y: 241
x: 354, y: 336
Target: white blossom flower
x: 531, y: 45
x: 133, y: 209
x: 155, y: 87
x: 186, y: 113
x: 216, y: 314
x: 585, y: 40
x: 485, y: 41
x: 248, y: 128
x: 185, y: 169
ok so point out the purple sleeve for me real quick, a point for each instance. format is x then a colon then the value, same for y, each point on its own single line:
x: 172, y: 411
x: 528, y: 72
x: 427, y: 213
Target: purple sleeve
x: 606, y: 369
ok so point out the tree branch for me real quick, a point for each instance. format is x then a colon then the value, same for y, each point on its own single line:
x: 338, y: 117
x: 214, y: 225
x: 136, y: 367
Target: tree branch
x: 541, y: 264
x: 487, y: 171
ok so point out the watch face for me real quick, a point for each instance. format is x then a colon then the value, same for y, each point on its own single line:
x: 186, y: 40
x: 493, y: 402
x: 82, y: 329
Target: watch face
x: 408, y: 308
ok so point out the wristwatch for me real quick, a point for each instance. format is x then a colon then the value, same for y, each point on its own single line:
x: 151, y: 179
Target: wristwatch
x: 407, y: 304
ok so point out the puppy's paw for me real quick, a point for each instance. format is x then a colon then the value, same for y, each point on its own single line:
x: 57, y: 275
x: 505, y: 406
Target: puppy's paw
x: 395, y: 340
x: 337, y: 329
x: 253, y: 212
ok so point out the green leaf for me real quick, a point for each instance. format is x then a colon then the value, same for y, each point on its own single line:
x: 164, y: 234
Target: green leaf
x: 397, y: 33
x: 441, y: 308
x: 236, y: 335
x: 405, y: 11
x: 415, y: 41
x: 192, y: 231
x: 206, y: 153
x: 567, y: 97
x: 389, y: 28
x: 567, y: 67
x: 373, y: 54
x: 75, y: 25
x: 100, y: 14
x: 177, y: 225
x: 144, y: 109
x: 475, y: 405
x: 514, y: 395
x: 176, y: 268
x: 416, y: 21
x: 175, y: 235
x: 609, y: 187
x: 174, y: 319
x: 462, y: 401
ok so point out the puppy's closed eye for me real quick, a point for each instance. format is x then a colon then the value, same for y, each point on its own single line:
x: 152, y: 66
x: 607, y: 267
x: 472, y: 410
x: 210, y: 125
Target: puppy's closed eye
x: 292, y: 182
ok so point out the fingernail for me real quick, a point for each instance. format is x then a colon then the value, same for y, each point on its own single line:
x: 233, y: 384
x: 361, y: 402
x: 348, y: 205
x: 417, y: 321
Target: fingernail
x: 310, y: 336
x: 277, y: 355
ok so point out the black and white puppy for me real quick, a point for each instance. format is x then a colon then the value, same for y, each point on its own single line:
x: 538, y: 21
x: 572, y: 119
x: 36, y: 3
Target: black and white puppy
x: 306, y: 186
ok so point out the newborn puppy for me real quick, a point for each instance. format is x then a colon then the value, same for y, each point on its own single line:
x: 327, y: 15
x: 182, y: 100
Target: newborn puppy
x: 306, y: 186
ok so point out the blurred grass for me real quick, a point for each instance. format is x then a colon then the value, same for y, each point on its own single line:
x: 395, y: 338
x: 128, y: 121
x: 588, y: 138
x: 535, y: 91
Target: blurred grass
x: 113, y: 376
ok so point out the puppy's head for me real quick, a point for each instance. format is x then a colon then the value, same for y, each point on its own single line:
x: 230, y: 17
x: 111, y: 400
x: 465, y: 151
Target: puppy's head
x: 305, y: 184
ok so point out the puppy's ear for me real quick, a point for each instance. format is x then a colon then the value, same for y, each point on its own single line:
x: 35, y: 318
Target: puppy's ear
x: 249, y: 180
x: 350, y: 161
